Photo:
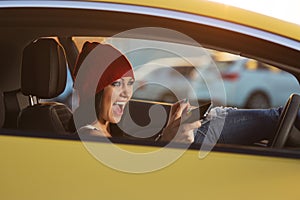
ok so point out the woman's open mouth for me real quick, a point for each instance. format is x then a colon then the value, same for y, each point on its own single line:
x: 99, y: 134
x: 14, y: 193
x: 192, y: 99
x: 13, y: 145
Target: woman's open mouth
x: 118, y: 107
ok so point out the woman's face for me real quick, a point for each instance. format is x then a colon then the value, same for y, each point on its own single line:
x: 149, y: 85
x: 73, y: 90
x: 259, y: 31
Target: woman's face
x: 114, y: 99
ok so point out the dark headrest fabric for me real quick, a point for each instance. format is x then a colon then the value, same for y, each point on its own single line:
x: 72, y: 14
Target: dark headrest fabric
x: 43, y: 69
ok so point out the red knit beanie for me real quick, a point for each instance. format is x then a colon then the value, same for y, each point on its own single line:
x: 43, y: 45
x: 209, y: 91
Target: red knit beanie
x: 104, y: 61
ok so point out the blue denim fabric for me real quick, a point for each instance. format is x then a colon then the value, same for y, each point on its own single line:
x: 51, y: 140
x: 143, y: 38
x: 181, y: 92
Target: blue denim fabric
x: 239, y: 126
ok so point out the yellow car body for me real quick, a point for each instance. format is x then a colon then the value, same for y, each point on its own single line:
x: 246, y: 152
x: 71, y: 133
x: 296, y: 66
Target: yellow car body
x: 224, y: 12
x: 50, y: 168
x: 34, y: 168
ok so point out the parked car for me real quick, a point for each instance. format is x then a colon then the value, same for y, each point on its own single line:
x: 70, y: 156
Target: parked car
x: 174, y: 78
x: 247, y: 83
x: 252, y: 84
x: 43, y: 157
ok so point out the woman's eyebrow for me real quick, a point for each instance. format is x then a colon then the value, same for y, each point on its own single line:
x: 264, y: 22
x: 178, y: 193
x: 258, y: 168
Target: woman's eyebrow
x: 131, y: 79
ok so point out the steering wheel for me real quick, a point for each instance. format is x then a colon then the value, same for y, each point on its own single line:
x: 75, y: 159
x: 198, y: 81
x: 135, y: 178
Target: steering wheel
x: 286, y: 121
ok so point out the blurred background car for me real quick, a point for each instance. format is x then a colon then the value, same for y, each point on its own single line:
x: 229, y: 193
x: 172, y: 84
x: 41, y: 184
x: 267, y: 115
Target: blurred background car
x: 174, y: 78
x: 247, y: 83
x: 252, y: 84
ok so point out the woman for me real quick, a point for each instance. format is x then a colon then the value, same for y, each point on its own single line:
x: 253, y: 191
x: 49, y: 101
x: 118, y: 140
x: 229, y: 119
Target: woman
x: 114, y: 90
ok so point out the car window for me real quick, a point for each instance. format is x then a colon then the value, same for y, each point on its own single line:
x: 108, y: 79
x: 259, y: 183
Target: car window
x: 219, y: 77
x: 164, y: 78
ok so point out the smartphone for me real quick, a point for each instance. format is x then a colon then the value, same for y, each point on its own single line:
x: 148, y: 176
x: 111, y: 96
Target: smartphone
x: 197, y: 113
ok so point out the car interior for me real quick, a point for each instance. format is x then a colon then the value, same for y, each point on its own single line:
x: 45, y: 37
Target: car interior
x: 37, y: 68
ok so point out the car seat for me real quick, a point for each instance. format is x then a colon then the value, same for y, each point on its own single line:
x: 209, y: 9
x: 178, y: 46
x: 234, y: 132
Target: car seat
x: 12, y: 102
x: 43, y: 76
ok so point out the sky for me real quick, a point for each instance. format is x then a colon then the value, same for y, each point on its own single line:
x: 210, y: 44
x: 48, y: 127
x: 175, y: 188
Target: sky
x: 288, y: 10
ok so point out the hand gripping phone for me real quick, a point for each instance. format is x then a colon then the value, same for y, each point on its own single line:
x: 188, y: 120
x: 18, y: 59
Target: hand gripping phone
x: 197, y: 113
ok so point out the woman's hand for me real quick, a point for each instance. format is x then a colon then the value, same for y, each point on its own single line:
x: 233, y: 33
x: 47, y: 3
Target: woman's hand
x: 176, y: 131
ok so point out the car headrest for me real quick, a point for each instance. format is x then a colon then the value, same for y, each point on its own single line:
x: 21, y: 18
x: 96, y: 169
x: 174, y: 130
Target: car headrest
x: 44, y: 69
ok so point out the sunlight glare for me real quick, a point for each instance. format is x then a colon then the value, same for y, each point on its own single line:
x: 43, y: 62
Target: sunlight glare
x: 288, y: 10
